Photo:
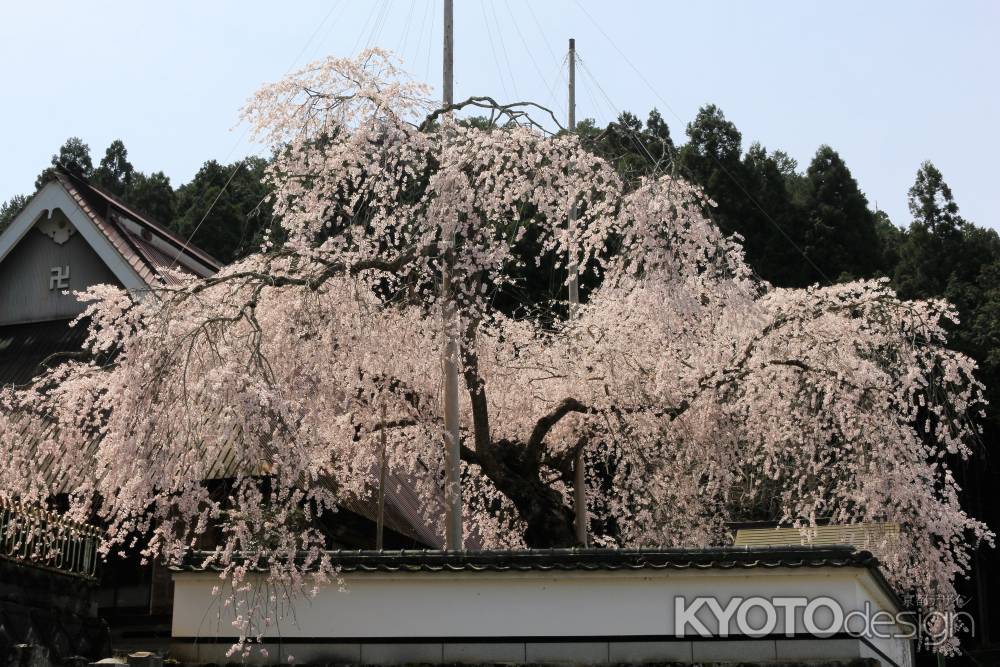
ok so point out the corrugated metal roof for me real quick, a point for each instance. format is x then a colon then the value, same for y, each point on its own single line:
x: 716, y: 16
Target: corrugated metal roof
x: 860, y: 535
x: 24, y: 347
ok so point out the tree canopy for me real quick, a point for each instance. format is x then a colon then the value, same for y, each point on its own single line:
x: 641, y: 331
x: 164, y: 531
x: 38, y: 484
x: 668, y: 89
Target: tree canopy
x: 697, y: 392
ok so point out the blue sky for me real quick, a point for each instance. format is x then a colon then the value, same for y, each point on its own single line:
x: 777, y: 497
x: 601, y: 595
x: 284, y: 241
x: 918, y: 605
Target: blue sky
x: 887, y: 84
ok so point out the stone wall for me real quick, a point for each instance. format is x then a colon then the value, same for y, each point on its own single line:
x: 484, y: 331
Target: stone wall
x: 48, y: 609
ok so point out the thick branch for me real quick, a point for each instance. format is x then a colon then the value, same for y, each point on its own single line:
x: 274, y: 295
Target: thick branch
x: 514, y: 111
x: 548, y: 421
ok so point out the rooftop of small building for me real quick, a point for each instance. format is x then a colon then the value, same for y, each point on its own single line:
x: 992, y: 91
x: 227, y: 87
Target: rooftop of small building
x: 567, y: 559
x: 838, y: 556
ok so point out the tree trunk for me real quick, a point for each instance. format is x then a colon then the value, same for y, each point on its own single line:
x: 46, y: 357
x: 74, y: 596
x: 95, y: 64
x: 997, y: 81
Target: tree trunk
x: 549, y: 521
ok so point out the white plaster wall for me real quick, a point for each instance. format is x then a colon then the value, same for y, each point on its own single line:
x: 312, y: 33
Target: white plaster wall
x: 532, y: 605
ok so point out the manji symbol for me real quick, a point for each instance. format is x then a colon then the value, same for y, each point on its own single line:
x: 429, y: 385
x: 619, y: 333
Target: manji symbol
x: 59, y: 277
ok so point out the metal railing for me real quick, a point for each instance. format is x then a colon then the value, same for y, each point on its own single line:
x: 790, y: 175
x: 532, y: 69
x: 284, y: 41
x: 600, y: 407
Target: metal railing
x: 41, y: 539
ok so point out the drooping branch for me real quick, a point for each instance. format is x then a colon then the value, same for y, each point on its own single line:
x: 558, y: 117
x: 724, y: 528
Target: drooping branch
x: 330, y: 270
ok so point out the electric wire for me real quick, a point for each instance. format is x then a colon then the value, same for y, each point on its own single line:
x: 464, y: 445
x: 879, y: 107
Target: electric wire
x: 541, y: 31
x: 381, y: 25
x: 527, y: 49
x: 600, y: 105
x: 556, y: 61
x: 503, y: 48
x: 364, y: 27
x: 319, y: 27
x: 558, y: 102
x: 320, y: 46
x: 718, y: 162
x: 496, y: 59
x: 420, y: 40
x: 401, y: 46
x: 430, y: 41
x: 243, y: 136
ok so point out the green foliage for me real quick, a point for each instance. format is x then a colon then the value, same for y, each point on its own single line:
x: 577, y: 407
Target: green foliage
x: 115, y: 173
x: 936, y: 238
x: 240, y: 213
x: 10, y: 208
x: 942, y: 255
x: 771, y: 224
x: 232, y: 227
x: 153, y: 195
x: 840, y: 236
x: 798, y: 227
x: 74, y: 156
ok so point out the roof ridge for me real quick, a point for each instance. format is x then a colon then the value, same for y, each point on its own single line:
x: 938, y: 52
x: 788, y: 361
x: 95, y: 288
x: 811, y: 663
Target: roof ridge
x: 143, y: 219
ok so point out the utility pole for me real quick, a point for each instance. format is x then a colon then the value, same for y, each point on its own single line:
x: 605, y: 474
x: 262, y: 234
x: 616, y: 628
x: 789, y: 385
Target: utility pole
x: 452, y: 442
x: 579, y: 469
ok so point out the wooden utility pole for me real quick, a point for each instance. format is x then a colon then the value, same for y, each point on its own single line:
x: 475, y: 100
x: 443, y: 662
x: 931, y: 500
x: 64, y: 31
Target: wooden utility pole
x: 452, y: 442
x: 579, y: 469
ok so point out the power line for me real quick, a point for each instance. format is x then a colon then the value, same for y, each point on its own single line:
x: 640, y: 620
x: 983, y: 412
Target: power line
x: 184, y: 247
x: 558, y: 62
x: 496, y: 59
x: 364, y: 27
x: 406, y: 30
x: 430, y: 40
x: 379, y: 24
x: 545, y: 40
x: 527, y: 48
x: 319, y: 26
x: 636, y: 140
x: 503, y: 47
x: 558, y: 102
x: 615, y: 112
x: 420, y: 39
x: 246, y: 131
x: 718, y: 162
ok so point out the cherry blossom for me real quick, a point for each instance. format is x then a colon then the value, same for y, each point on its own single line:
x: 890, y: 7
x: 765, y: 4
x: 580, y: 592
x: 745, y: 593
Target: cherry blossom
x: 698, y: 394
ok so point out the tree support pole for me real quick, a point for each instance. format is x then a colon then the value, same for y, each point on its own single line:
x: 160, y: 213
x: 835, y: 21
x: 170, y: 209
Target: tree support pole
x: 579, y: 465
x: 452, y: 437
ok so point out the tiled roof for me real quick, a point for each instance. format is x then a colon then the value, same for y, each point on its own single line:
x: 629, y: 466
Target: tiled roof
x: 109, y: 215
x: 544, y: 560
x: 587, y: 560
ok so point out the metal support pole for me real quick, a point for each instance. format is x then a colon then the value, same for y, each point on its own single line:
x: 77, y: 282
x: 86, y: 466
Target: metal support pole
x: 452, y: 441
x: 579, y: 465
x: 380, y: 525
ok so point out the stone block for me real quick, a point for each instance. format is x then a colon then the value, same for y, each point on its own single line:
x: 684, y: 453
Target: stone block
x: 639, y: 652
x: 577, y: 653
x: 745, y: 650
x: 400, y: 654
x: 484, y: 652
x: 144, y: 659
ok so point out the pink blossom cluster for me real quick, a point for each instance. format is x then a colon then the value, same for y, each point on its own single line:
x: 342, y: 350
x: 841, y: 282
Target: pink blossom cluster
x: 698, y: 395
